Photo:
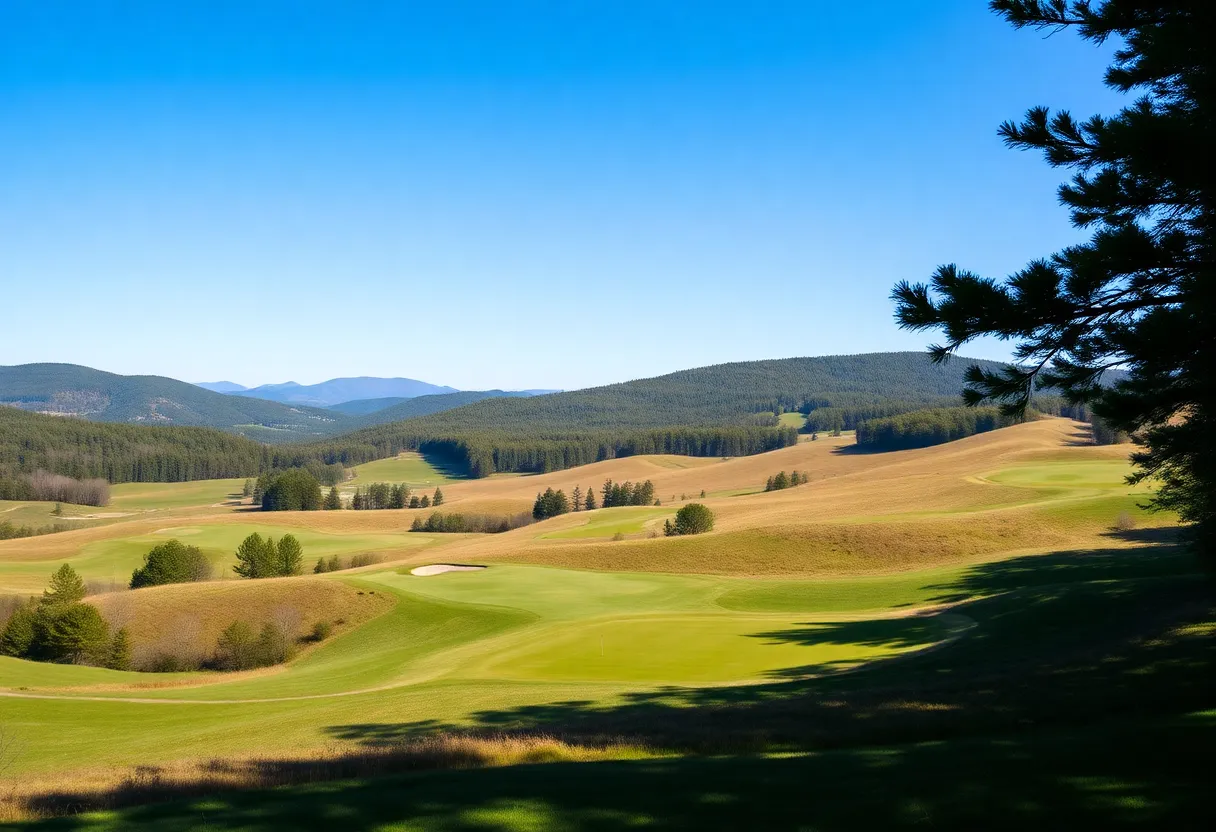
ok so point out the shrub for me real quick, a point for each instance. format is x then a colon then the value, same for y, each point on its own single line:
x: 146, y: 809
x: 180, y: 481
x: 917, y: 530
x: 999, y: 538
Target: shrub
x: 17, y: 638
x: 693, y: 518
x: 172, y: 563
x: 321, y: 631
x: 236, y: 648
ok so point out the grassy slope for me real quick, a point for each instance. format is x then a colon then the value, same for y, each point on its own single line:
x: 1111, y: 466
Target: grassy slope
x: 1097, y: 590
x: 114, y: 558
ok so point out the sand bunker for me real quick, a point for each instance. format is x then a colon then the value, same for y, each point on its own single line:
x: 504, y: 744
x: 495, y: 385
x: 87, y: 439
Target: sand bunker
x: 440, y: 568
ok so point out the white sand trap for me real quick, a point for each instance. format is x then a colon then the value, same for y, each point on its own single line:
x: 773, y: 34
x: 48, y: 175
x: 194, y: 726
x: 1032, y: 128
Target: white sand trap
x: 440, y: 568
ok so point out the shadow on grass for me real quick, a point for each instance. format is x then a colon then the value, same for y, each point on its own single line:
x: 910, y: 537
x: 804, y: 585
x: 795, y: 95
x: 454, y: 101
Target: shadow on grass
x: 1148, y: 775
x: 1067, y: 639
x: 1068, y: 705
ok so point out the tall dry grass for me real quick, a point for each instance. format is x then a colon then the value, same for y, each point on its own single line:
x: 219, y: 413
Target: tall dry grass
x: 34, y: 798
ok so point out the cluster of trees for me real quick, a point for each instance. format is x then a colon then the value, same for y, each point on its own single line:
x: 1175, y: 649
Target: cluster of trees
x: 172, y: 562
x: 44, y: 486
x: 382, y: 495
x: 259, y: 557
x: 475, y: 523
x: 693, y: 518
x: 11, y: 531
x: 60, y: 627
x: 336, y: 564
x: 782, y: 480
x: 292, y: 490
x: 923, y: 428
x: 550, y: 504
x: 625, y: 494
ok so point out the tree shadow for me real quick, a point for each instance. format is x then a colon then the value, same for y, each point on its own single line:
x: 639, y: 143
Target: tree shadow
x: 1148, y: 775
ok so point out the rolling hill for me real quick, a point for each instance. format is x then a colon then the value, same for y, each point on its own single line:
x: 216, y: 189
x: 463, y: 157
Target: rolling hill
x: 73, y: 390
x: 722, y: 410
x: 339, y: 390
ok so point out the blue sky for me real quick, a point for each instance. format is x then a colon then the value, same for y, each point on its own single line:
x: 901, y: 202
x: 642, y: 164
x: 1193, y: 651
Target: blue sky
x: 507, y: 194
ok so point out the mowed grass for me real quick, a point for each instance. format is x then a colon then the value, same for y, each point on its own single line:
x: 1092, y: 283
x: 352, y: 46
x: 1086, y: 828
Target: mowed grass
x: 606, y: 522
x: 413, y: 469
x: 113, y: 560
x: 150, y: 496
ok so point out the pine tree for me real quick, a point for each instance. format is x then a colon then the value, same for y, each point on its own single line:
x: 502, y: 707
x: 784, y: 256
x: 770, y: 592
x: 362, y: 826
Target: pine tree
x: 252, y: 559
x: 576, y: 499
x: 335, y: 564
x: 1141, y: 293
x: 290, y: 556
x: 425, y: 502
x: 333, y: 500
x: 320, y: 568
x: 437, y: 500
x: 589, y: 500
x: 120, y: 651
x: 66, y: 588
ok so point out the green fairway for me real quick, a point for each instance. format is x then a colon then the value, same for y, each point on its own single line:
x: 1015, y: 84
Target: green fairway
x: 114, y: 559
x: 146, y: 496
x: 413, y: 469
x: 606, y: 522
x: 1069, y: 476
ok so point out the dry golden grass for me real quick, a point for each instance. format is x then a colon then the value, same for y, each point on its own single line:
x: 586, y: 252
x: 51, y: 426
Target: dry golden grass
x: 861, y: 513
x: 804, y: 530
x: 113, y: 788
x: 186, y: 619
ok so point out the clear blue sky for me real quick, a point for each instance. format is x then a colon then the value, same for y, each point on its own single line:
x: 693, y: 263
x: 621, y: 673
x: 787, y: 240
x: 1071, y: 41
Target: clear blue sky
x: 506, y: 194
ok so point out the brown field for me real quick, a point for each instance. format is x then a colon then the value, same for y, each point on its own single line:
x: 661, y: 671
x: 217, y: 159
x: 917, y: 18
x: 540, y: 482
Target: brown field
x: 187, y: 619
x: 861, y: 512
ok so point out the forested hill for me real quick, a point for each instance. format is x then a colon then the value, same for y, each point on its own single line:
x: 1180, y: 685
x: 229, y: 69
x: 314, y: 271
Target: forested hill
x: 123, y: 453
x: 72, y: 390
x: 723, y: 393
x: 420, y: 406
x: 723, y: 410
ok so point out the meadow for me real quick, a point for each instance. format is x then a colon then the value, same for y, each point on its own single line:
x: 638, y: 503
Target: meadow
x: 896, y: 609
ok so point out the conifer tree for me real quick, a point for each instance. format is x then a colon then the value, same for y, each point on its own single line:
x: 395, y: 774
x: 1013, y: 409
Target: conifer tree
x: 290, y: 556
x: 65, y: 588
x: 437, y: 500
x: 1140, y: 294
x: 120, y: 651
x: 589, y: 500
x: 333, y: 500
x: 252, y: 558
x: 576, y: 499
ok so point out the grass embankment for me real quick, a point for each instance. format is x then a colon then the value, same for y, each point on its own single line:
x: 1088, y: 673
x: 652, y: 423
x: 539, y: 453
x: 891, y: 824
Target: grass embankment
x: 112, y: 559
x: 720, y: 643
x: 1077, y: 695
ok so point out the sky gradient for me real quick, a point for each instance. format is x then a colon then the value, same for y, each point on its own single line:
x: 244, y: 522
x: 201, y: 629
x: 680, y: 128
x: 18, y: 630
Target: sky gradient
x: 507, y: 194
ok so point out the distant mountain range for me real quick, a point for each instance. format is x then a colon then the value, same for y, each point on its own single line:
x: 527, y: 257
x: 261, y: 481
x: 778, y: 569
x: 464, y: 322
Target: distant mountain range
x: 73, y: 390
x: 332, y: 392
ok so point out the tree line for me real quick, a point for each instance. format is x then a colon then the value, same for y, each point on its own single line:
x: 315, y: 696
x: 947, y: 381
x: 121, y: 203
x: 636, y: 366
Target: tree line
x: 457, y: 523
x: 44, y: 486
x: 923, y: 428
